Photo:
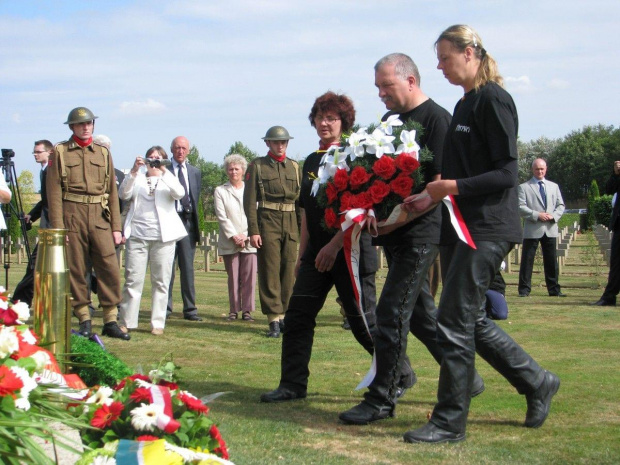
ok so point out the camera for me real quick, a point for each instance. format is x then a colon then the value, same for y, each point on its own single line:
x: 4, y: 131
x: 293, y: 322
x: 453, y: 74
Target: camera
x: 8, y: 153
x: 157, y: 162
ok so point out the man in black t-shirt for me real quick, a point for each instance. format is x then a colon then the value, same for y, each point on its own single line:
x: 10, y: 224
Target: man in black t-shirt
x: 406, y: 302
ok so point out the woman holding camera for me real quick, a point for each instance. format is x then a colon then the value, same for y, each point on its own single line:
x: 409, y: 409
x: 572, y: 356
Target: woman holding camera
x: 151, y: 229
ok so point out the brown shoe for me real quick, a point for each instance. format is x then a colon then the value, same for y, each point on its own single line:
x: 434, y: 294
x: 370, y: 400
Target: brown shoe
x: 157, y: 332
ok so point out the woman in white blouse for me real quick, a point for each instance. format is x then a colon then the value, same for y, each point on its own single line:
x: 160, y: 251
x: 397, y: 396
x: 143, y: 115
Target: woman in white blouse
x: 233, y: 242
x: 151, y: 229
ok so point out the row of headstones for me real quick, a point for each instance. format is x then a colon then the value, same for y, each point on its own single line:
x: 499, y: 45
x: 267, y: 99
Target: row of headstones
x: 208, y: 246
x: 603, y: 236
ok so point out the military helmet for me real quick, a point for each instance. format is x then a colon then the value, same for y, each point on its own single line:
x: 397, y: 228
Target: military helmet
x: 277, y: 133
x: 80, y: 115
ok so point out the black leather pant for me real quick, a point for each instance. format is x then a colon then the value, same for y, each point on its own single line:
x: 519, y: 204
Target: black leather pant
x: 464, y: 329
x: 309, y: 294
x: 398, y: 311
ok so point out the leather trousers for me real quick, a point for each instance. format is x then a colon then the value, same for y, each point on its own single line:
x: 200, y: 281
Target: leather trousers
x: 399, y: 311
x: 309, y: 294
x: 464, y: 329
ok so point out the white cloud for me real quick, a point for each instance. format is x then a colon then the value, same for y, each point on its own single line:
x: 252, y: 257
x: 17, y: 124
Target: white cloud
x: 519, y: 84
x: 146, y: 107
x: 559, y: 84
x: 16, y: 117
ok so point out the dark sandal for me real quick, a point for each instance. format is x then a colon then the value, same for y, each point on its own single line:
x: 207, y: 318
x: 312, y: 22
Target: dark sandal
x: 231, y: 317
x: 247, y: 317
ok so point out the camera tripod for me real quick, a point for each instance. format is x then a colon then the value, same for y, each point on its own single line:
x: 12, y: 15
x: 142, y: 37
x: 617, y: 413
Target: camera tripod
x: 12, y: 211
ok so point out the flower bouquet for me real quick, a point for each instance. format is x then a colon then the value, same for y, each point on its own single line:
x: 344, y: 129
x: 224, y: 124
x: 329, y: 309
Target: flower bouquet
x: 152, y: 410
x: 366, y: 173
x: 28, y: 400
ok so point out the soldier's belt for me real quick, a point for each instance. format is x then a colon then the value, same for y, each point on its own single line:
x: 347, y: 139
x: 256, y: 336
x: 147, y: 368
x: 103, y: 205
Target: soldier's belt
x: 283, y: 207
x: 71, y: 197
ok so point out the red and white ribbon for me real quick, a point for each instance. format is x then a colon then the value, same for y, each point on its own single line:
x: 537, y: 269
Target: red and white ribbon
x: 458, y: 223
x: 160, y: 396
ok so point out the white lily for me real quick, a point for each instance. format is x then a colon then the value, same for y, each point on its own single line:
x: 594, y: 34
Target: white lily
x: 389, y: 123
x: 409, y: 145
x: 380, y: 143
x: 356, y: 144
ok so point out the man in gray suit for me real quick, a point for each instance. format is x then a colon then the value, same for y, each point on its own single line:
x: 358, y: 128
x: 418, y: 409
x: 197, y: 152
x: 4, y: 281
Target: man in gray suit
x: 187, y: 208
x: 541, y: 206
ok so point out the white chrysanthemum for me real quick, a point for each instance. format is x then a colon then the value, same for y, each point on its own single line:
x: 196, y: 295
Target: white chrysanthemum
x: 144, y: 418
x: 22, y: 401
x: 3, y: 304
x: 41, y: 358
x: 29, y: 337
x: 2, y: 290
x: 8, y: 341
x: 22, y: 310
x: 103, y: 396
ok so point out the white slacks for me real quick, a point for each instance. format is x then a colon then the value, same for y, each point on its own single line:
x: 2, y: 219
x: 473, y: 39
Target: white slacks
x: 139, y: 254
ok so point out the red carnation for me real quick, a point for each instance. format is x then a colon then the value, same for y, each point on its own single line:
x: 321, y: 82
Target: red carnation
x: 171, y: 386
x: 9, y: 382
x: 341, y: 179
x: 402, y: 185
x: 384, y: 167
x: 407, y: 163
x: 193, y: 403
x: 146, y: 438
x: 359, y: 176
x: 140, y: 395
x: 345, y: 201
x: 106, y: 414
x: 331, y: 219
x: 332, y: 193
x: 378, y: 191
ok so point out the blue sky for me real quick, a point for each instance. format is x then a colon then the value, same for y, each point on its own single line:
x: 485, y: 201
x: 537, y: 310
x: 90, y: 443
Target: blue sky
x: 225, y: 71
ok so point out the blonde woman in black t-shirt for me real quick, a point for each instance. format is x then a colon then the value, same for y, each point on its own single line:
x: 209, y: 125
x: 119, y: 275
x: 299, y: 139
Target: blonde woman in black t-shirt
x: 480, y: 170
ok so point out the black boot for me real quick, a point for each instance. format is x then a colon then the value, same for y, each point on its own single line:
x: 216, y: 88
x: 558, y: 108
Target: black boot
x: 112, y: 330
x: 274, y: 329
x: 85, y: 328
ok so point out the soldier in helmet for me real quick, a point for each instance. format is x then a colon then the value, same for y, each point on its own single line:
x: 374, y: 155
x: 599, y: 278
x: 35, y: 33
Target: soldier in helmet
x: 82, y: 198
x: 270, y: 203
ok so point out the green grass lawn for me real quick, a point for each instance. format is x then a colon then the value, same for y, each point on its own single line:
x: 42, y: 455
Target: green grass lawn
x: 567, y: 336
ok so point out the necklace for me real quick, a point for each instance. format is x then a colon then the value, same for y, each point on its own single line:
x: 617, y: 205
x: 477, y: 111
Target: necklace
x: 152, y: 186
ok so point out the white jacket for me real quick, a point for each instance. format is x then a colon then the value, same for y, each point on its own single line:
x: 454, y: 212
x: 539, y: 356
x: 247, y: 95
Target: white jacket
x: 232, y: 219
x: 168, y: 190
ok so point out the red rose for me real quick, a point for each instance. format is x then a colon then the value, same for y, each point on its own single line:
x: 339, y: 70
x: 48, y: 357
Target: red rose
x: 345, y: 201
x: 384, y: 167
x: 332, y: 193
x: 331, y: 219
x: 378, y: 191
x: 359, y: 176
x: 362, y: 200
x: 402, y: 185
x: 8, y: 317
x: 341, y: 179
x: 407, y: 163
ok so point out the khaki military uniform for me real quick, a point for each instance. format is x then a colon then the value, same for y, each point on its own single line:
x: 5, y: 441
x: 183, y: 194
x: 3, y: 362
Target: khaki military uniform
x: 270, y: 202
x: 85, y: 202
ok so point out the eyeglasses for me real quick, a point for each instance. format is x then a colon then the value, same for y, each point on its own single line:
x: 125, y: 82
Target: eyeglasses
x: 39, y: 152
x: 328, y: 120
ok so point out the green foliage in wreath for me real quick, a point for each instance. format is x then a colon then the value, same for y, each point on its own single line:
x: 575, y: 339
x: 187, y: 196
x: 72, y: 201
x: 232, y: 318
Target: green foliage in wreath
x: 94, y: 365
